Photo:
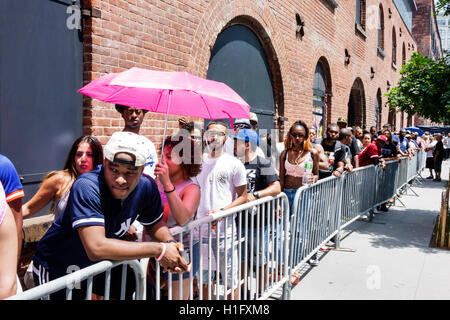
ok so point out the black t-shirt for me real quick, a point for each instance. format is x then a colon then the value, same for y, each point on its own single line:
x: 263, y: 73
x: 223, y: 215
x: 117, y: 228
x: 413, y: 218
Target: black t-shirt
x: 439, y: 147
x: 389, y: 150
x: 354, y: 148
x: 260, y: 174
x: 335, y: 154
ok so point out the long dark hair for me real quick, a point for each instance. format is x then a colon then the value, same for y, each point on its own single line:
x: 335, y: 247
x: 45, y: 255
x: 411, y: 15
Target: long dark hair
x: 97, y: 152
x: 70, y: 167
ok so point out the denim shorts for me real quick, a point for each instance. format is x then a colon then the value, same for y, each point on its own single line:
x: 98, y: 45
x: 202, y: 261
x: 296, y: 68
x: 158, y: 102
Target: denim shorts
x: 257, y: 252
x: 231, y: 256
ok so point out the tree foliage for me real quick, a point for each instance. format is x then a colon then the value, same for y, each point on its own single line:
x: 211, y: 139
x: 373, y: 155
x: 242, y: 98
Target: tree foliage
x: 444, y: 6
x: 424, y: 88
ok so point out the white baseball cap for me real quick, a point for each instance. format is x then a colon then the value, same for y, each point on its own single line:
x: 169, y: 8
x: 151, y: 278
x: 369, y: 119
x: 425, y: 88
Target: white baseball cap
x: 128, y: 142
x: 253, y: 117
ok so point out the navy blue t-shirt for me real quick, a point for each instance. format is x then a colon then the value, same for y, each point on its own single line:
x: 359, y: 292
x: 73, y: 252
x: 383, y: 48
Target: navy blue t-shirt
x: 91, y: 204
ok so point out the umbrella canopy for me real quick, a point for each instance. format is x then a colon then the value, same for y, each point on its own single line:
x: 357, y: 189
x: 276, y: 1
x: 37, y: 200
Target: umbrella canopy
x: 165, y: 92
x: 414, y: 129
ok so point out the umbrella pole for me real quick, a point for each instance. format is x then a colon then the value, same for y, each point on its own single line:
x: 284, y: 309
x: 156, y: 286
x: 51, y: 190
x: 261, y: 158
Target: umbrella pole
x: 165, y: 124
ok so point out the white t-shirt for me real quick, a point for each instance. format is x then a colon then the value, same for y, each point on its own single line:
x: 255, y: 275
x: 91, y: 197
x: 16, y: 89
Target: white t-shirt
x: 218, y: 181
x: 430, y: 152
x: 152, y: 160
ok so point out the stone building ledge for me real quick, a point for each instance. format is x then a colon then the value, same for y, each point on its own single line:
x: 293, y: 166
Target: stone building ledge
x: 34, y: 228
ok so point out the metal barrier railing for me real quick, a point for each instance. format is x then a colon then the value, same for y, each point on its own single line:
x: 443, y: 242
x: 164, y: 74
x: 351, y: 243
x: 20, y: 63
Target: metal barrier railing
x: 314, y: 219
x: 73, y: 280
x: 252, y: 264
x: 402, y: 173
x: 386, y: 183
x: 358, y: 185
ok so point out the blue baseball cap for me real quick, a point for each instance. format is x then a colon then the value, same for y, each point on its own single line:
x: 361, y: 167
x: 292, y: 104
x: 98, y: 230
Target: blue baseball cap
x: 248, y: 135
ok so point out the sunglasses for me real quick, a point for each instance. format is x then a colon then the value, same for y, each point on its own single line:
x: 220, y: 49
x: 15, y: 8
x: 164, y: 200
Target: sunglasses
x: 297, y: 135
x: 215, y: 133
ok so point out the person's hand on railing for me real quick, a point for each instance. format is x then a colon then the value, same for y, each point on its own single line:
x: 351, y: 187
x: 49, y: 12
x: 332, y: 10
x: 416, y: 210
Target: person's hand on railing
x: 348, y: 167
x: 171, y: 259
x: 337, y: 173
x: 382, y: 164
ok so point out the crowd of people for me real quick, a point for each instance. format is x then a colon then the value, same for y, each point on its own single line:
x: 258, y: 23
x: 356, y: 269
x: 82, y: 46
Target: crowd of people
x: 118, y: 202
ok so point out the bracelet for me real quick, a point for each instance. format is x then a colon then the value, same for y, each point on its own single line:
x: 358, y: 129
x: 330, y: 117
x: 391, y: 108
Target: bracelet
x: 163, y: 252
x: 171, y: 240
x: 166, y: 192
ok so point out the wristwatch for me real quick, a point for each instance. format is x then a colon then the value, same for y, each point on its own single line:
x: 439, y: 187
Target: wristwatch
x: 256, y: 194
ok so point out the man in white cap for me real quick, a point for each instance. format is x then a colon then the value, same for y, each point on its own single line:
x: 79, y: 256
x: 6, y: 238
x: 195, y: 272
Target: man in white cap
x: 254, y: 120
x: 102, y: 205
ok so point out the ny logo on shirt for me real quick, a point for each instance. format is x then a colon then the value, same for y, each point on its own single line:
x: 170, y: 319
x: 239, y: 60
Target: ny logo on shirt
x: 124, y: 226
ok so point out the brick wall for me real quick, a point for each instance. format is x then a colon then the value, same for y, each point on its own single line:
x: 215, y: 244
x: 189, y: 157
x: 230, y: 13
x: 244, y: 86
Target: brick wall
x: 178, y: 36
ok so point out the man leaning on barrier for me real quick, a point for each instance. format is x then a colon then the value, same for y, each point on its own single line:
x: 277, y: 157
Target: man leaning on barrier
x: 102, y: 205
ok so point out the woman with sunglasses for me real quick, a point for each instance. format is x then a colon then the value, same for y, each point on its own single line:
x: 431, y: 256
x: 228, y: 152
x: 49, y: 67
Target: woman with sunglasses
x: 298, y: 150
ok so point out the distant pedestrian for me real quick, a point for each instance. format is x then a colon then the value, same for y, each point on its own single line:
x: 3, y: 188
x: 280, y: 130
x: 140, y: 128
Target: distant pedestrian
x: 438, y: 156
x: 429, y: 164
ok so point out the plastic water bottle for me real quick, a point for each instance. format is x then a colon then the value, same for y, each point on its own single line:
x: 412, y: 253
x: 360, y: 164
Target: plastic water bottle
x: 307, y: 172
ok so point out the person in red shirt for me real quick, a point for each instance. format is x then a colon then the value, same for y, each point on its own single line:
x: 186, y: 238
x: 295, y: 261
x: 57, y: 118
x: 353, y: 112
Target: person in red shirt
x: 372, y: 153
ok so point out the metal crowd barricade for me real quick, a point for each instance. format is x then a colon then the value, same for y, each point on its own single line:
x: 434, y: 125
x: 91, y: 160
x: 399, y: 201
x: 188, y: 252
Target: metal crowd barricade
x: 243, y: 256
x: 73, y: 280
x: 412, y: 168
x: 356, y: 200
x: 386, y: 182
x: 402, y: 173
x: 314, y: 219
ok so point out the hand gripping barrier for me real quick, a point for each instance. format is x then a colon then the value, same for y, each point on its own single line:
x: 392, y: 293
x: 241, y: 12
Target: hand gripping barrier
x: 73, y: 280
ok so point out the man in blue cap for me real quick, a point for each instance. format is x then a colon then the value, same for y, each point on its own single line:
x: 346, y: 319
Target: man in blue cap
x: 262, y: 181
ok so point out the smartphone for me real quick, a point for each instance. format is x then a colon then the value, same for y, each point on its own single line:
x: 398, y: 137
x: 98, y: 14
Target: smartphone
x: 186, y: 255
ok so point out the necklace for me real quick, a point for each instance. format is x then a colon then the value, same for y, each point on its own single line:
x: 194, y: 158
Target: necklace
x: 296, y: 161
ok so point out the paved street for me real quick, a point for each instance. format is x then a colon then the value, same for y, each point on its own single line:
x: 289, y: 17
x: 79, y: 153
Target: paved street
x: 392, y: 258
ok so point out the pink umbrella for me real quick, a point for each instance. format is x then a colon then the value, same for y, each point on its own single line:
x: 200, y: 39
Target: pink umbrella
x: 177, y: 93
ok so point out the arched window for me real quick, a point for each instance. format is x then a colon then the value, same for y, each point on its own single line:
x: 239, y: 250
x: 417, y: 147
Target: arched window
x: 378, y: 104
x: 319, y: 100
x: 322, y: 89
x: 403, y: 54
x: 361, y: 13
x: 381, y: 29
x: 394, y: 48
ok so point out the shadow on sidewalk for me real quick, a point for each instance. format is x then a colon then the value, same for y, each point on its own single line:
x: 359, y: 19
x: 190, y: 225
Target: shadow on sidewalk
x: 399, y: 228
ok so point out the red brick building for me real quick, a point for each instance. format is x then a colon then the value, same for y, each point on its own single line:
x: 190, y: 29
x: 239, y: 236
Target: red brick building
x: 295, y: 36
x: 426, y: 32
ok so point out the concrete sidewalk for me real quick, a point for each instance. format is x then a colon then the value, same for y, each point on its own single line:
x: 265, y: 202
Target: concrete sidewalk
x: 391, y: 260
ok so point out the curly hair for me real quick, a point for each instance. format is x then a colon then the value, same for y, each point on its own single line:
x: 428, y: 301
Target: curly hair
x: 193, y: 166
